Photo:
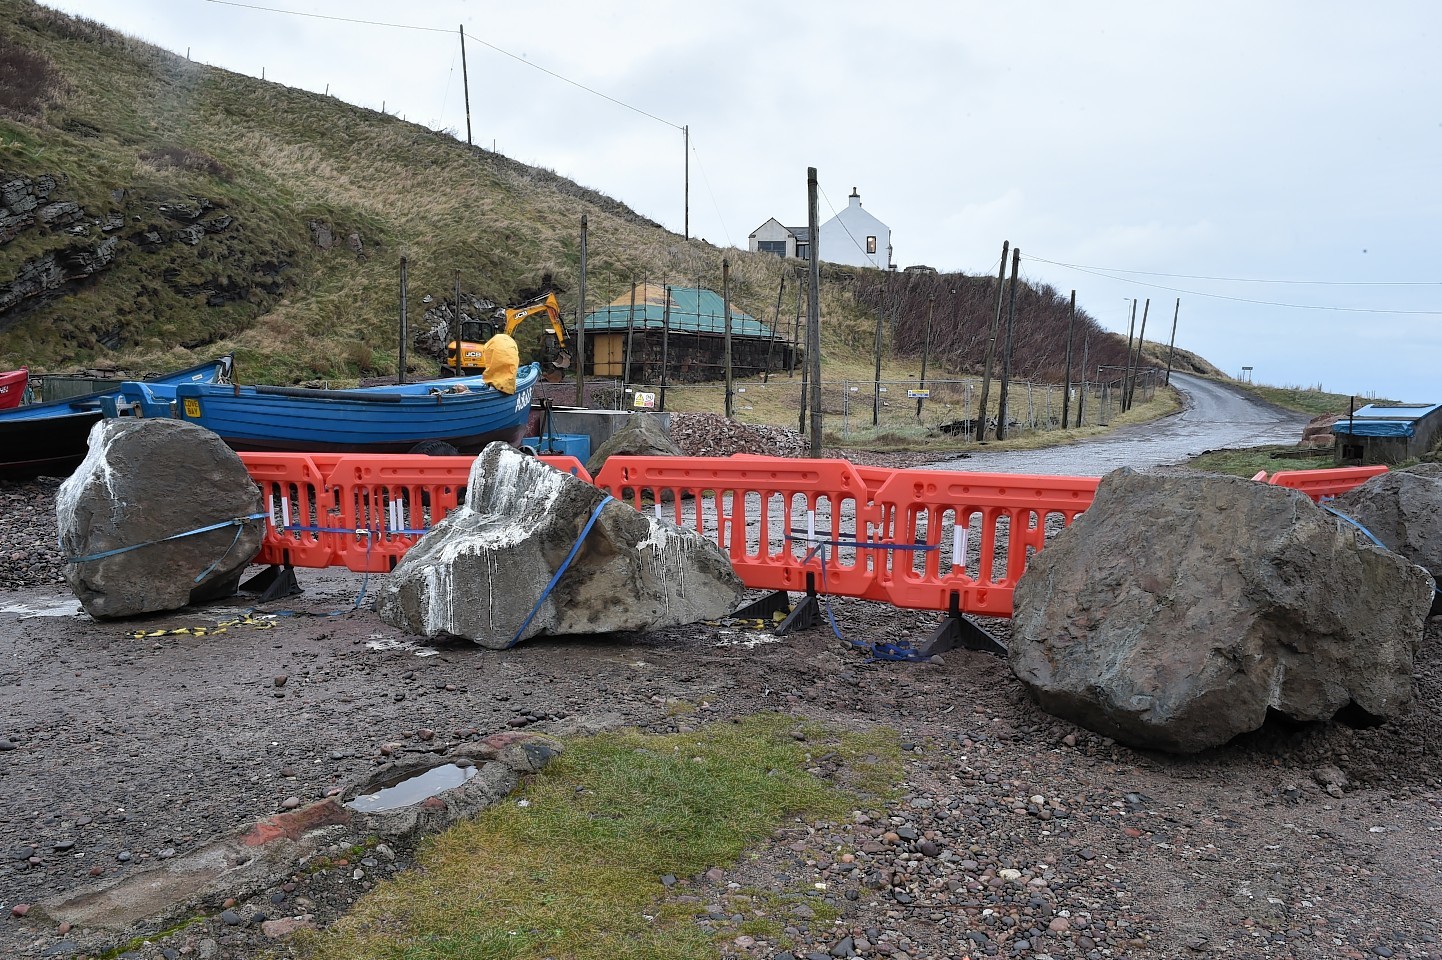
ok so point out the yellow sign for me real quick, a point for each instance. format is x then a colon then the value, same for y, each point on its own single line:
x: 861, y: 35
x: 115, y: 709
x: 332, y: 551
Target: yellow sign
x: 192, y: 407
x: 644, y: 401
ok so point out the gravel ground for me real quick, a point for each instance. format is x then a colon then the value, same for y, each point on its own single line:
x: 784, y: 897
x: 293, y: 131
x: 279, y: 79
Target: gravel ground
x: 1017, y: 834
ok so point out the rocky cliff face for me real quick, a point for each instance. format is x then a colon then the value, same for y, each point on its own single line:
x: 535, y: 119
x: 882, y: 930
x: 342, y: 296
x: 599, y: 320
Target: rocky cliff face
x: 52, y: 246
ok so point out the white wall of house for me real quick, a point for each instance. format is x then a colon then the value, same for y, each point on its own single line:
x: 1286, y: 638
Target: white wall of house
x: 772, y: 232
x: 856, y: 238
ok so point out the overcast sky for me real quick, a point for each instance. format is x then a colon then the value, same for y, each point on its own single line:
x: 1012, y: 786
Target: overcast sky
x: 1131, y: 149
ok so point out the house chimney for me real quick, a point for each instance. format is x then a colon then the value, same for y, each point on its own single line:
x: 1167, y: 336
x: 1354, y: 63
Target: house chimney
x: 855, y: 198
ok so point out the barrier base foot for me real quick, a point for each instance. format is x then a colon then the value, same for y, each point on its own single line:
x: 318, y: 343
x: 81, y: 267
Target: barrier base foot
x: 275, y: 582
x: 804, y: 616
x: 957, y: 631
x: 777, y: 601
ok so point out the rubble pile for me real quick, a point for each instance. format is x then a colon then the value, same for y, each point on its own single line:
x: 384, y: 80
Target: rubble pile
x: 712, y: 435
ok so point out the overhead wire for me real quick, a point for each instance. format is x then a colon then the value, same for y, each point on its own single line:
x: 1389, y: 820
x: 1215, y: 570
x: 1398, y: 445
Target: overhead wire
x: 1189, y: 276
x: 835, y: 216
x: 712, y: 193
x: 1104, y: 274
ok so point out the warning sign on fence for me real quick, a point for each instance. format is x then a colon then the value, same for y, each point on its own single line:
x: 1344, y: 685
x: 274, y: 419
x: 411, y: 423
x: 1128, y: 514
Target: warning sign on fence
x: 918, y: 394
x: 644, y: 401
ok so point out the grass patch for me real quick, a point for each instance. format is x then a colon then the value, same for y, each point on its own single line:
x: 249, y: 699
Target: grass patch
x: 1245, y: 462
x: 1313, y: 401
x: 576, y: 873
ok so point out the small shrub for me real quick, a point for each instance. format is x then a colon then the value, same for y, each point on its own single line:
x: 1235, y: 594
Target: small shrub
x: 172, y: 157
x: 28, y: 81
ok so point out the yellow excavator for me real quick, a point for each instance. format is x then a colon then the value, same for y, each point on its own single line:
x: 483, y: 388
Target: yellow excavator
x: 555, y: 348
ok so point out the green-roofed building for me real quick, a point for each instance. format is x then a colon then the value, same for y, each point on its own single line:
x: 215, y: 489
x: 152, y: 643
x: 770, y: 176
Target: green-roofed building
x: 684, y: 329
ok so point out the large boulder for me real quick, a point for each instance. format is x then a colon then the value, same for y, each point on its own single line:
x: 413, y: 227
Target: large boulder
x: 144, y: 488
x: 483, y: 569
x: 1178, y: 610
x: 1403, y: 509
x: 644, y: 435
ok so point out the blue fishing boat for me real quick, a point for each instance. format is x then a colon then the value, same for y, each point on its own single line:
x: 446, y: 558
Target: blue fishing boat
x: 465, y: 413
x: 49, y: 439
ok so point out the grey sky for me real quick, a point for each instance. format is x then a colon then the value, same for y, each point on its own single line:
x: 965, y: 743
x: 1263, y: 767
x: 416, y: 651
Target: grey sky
x: 1276, y: 141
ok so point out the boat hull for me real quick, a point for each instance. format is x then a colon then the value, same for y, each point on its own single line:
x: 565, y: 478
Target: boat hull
x: 374, y: 420
x: 49, y: 439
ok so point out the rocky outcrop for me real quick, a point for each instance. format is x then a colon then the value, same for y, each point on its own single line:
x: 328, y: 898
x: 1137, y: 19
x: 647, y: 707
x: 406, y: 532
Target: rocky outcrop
x: 482, y: 573
x: 1180, y: 610
x: 1403, y: 509
x: 128, y: 518
x: 644, y: 435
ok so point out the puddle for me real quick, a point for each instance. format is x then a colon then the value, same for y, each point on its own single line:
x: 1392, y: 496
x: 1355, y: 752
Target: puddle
x: 380, y: 643
x: 414, y: 789
x: 61, y: 608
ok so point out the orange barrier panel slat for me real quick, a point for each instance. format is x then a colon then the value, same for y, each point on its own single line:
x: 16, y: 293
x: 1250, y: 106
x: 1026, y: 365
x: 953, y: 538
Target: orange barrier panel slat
x: 1326, y: 483
x: 295, y: 494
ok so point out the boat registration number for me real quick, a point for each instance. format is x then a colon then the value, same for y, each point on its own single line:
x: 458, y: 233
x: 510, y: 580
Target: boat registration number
x: 192, y: 407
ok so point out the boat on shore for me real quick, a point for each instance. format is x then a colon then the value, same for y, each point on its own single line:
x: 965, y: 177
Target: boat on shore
x: 464, y: 413
x: 49, y: 439
x: 12, y: 387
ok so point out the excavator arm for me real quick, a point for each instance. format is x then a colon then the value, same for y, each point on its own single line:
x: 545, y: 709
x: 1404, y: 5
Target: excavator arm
x: 556, y: 357
x: 547, y: 304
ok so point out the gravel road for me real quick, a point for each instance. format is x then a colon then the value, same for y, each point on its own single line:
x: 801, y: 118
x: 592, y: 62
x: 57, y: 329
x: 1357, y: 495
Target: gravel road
x: 1015, y: 835
x: 1215, y: 417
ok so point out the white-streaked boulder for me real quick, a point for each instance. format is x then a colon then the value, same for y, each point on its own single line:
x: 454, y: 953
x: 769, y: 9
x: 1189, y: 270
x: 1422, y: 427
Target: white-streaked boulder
x: 483, y: 569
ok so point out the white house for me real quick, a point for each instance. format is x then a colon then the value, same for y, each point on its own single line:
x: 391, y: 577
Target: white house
x: 852, y: 237
x: 856, y: 238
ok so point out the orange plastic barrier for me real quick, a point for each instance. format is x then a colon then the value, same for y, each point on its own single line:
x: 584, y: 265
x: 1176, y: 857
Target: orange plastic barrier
x: 1323, y: 484
x: 944, y: 510
x: 778, y: 519
x: 361, y: 511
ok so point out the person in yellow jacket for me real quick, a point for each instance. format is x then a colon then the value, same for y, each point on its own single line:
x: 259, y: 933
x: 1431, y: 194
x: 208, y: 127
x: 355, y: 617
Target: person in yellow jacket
x: 502, y: 359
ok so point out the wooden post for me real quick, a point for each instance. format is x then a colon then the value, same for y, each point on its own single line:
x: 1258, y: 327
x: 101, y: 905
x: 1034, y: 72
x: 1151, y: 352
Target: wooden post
x: 1127, y: 368
x: 686, y: 199
x: 465, y: 84
x: 925, y: 352
x: 991, y: 344
x: 876, y: 387
x: 1081, y: 397
x: 459, y: 327
x: 665, y: 339
x: 405, y: 329
x: 630, y: 340
x: 1066, y: 387
x: 726, y: 310
x: 1131, y: 386
x: 796, y: 328
x: 813, y: 313
x: 776, y: 322
x: 581, y: 323
x: 1177, y: 311
x: 1006, y: 349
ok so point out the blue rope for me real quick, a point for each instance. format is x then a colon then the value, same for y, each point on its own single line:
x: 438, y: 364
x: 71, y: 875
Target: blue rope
x: 238, y: 522
x: 575, y: 548
x: 880, y: 651
x: 1436, y: 591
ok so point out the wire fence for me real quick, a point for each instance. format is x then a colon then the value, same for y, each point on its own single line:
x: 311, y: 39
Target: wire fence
x: 856, y: 408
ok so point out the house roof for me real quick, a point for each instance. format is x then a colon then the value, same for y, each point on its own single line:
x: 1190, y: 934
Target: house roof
x: 692, y: 311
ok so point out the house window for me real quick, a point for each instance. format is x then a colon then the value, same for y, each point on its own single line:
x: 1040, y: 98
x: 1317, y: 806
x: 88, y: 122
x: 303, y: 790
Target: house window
x: 777, y: 247
x: 803, y: 250
x: 870, y: 244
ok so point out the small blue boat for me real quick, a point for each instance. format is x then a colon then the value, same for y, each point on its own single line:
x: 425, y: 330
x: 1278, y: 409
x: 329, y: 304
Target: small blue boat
x: 49, y: 439
x: 465, y: 413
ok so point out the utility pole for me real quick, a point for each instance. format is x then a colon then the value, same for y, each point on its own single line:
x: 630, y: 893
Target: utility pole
x: 796, y: 329
x: 665, y: 339
x: 876, y: 389
x: 581, y: 322
x: 1006, y: 350
x: 726, y: 309
x: 775, y: 324
x: 991, y: 344
x: 686, y: 140
x: 925, y: 350
x: 459, y: 328
x: 1137, y: 366
x: 1171, y: 349
x: 1127, y: 370
x: 465, y: 84
x: 813, y: 313
x: 405, y: 329
x: 630, y: 340
x: 1066, y: 387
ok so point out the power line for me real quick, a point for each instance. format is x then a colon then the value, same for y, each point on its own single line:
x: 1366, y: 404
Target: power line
x: 835, y: 216
x: 492, y: 46
x: 1188, y: 276
x: 707, y: 180
x: 1098, y: 272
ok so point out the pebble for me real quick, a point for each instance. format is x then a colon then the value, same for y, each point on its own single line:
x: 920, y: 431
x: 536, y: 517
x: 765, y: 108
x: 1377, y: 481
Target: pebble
x: 290, y: 803
x: 20, y: 910
x: 124, y: 856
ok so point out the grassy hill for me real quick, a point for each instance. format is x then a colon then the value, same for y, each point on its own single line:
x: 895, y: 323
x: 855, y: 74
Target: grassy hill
x: 154, y: 211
